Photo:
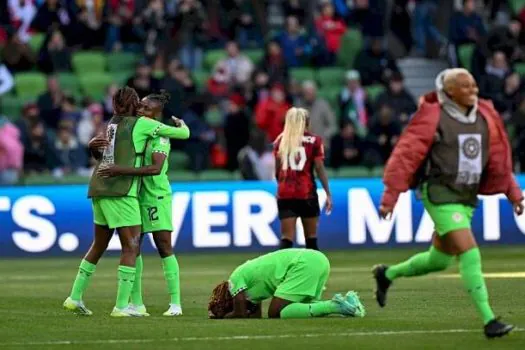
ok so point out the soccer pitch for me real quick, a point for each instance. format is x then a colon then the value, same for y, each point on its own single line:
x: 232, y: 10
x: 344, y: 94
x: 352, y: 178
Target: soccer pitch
x: 431, y: 312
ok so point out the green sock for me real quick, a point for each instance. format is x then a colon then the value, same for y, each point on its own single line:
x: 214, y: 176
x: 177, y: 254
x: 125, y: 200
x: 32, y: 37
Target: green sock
x: 420, y: 264
x: 470, y: 270
x: 126, y: 277
x: 171, y: 274
x: 136, y: 291
x: 81, y: 283
x: 319, y: 309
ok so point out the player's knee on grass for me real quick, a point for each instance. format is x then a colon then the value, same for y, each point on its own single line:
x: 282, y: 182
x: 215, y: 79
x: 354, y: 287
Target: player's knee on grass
x: 276, y: 306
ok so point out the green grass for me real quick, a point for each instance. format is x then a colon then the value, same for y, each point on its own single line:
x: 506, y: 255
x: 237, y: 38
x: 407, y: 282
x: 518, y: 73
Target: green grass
x: 32, y: 291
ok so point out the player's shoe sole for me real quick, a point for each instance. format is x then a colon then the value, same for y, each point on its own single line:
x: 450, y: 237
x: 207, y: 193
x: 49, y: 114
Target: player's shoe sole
x: 141, y: 309
x: 497, y: 329
x: 76, y: 307
x: 127, y: 312
x: 382, y: 284
x: 173, y: 311
x: 346, y: 308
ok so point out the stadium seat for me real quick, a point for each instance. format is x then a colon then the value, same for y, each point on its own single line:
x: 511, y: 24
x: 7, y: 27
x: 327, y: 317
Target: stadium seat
x: 214, y: 117
x: 465, y: 53
x: 378, y: 171
x: 520, y: 68
x: 330, y: 77
x: 11, y: 106
x: 516, y: 5
x: 215, y: 175
x: 178, y: 160
x: 158, y: 74
x: 351, y: 44
x: 95, y: 84
x: 351, y: 172
x: 212, y: 57
x: 373, y: 91
x: 30, y: 85
x: 121, y: 78
x: 121, y: 61
x: 182, y: 176
x: 85, y: 62
x: 69, y: 83
x: 200, y: 77
x: 36, y: 41
x: 331, y: 95
x: 302, y: 74
x: 255, y: 55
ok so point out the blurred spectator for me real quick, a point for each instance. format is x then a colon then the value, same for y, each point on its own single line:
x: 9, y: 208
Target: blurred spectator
x: 508, y: 39
x: 180, y: 86
x: 398, y: 98
x: 424, y: 28
x: 54, y: 55
x: 367, y: 19
x: 518, y: 120
x: 107, y: 103
x: 142, y: 81
x: 298, y: 9
x: 120, y: 23
x: 239, y: 68
x: 70, y: 111
x: 270, y: 113
x: 346, y: 148
x: 331, y: 30
x: 322, y: 118
x: 401, y: 23
x: 6, y: 79
x: 492, y: 83
x: 512, y: 95
x: 22, y: 14
x: 385, y: 132
x: 71, y: 157
x: 353, y: 103
x: 236, y: 130
x: 91, y: 124
x: 219, y: 83
x: 201, y: 139
x: 256, y: 160
x: 11, y: 152
x: 153, y: 24
x: 30, y: 116
x: 57, y: 14
x: 90, y: 17
x: 17, y: 55
x: 273, y: 63
x: 294, y: 43
x: 466, y: 26
x: 374, y: 64
x: 239, y: 21
x: 38, y: 150
x: 190, y: 23
x: 50, y: 103
x: 261, y: 88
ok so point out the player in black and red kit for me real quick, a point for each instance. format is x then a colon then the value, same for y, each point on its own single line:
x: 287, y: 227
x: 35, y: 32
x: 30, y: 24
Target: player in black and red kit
x: 297, y: 153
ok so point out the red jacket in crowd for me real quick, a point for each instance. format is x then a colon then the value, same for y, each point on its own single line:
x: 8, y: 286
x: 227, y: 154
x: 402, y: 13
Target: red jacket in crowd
x: 331, y: 30
x: 413, y: 147
x: 269, y: 117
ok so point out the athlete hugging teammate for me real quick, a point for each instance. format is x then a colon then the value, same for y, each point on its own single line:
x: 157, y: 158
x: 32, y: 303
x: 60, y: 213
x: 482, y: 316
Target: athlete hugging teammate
x: 297, y: 153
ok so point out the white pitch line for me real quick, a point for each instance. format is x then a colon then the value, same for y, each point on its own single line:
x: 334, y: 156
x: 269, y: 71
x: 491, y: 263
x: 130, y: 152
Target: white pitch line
x: 246, y: 337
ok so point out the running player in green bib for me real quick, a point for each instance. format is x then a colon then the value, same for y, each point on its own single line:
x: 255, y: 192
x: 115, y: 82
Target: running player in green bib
x: 115, y: 203
x: 155, y: 197
x: 294, y: 280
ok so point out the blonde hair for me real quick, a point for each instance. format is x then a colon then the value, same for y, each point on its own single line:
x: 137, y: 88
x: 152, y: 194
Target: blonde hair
x: 292, y: 136
x: 451, y: 75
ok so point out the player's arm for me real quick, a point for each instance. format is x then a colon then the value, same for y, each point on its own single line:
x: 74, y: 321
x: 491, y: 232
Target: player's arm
x: 149, y: 170
x: 323, y: 177
x: 255, y: 310
x: 96, y: 146
x: 153, y: 128
x: 239, y: 306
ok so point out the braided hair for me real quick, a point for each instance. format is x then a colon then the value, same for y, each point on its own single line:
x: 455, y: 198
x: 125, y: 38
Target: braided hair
x: 163, y: 97
x: 125, y: 101
x: 221, y: 301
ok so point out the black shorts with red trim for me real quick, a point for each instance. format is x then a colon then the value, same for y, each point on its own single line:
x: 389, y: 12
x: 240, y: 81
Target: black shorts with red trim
x: 298, y: 208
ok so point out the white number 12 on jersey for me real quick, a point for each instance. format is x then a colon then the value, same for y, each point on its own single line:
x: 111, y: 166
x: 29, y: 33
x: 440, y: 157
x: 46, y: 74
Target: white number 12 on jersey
x: 297, y: 160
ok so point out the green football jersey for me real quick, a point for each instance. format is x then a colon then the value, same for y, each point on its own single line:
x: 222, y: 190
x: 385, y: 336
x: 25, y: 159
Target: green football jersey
x: 260, y: 277
x: 155, y: 187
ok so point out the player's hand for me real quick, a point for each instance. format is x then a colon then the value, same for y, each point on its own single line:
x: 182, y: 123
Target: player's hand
x: 518, y: 208
x: 106, y: 171
x: 328, y: 205
x: 385, y: 212
x: 98, y: 142
x: 178, y: 122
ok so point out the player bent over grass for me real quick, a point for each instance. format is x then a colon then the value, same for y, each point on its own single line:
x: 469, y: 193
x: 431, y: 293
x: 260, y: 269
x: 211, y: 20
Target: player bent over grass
x: 115, y: 203
x: 155, y: 197
x: 294, y: 280
x: 297, y: 153
x: 454, y: 148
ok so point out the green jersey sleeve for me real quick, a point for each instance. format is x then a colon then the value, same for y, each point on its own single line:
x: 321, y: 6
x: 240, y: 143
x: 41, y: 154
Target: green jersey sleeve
x: 153, y: 128
x: 161, y: 145
x: 237, y: 282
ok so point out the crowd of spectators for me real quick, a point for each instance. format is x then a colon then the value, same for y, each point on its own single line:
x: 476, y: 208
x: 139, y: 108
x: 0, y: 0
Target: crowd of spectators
x: 240, y: 107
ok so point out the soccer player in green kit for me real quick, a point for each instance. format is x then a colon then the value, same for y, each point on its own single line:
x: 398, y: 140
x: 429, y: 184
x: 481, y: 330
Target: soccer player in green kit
x: 293, y: 278
x: 115, y: 203
x: 155, y: 198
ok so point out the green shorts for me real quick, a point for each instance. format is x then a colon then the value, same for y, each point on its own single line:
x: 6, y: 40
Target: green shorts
x: 116, y: 212
x: 448, y: 217
x: 305, y: 280
x: 156, y: 215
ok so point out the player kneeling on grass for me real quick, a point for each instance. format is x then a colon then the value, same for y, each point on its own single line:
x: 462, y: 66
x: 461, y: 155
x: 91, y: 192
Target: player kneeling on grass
x: 293, y: 278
